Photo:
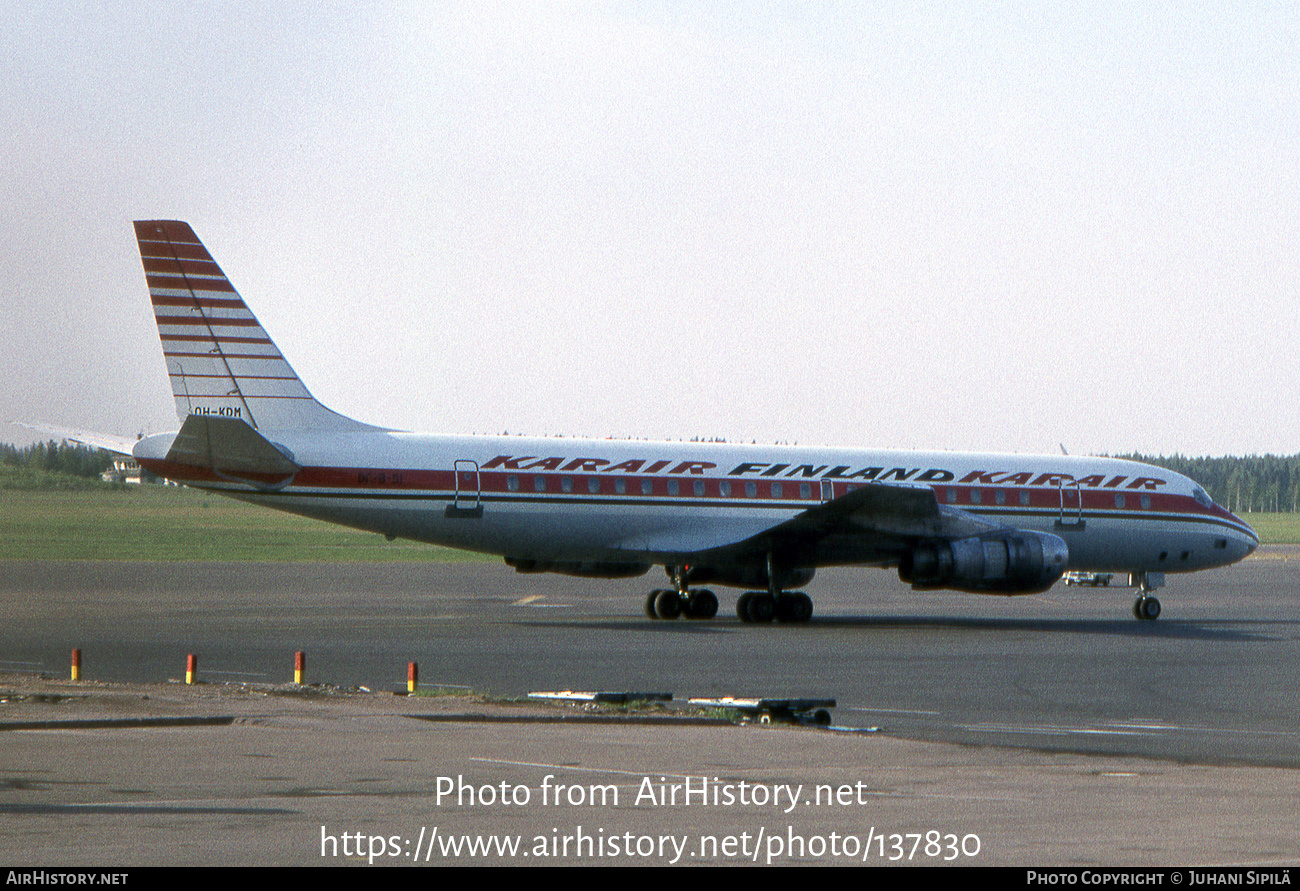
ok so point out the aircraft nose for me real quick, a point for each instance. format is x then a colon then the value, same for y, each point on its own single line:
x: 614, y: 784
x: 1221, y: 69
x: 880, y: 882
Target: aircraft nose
x: 1248, y: 539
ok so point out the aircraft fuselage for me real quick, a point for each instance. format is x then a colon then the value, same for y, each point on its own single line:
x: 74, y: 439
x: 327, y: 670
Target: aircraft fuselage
x: 610, y: 500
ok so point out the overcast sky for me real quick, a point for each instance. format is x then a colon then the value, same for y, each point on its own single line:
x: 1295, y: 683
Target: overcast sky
x: 921, y: 225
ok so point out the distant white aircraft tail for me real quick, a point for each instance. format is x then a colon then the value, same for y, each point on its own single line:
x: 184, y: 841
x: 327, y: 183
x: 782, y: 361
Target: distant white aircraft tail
x: 220, y: 360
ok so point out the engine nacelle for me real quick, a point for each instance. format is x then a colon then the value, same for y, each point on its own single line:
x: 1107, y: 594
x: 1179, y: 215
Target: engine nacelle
x: 588, y: 569
x: 1011, y: 562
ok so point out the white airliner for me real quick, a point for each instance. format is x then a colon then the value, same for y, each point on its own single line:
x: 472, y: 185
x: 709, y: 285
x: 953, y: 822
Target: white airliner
x: 757, y: 517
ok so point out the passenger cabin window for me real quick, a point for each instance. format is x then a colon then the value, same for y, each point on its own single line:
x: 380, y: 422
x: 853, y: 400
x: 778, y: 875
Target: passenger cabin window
x: 724, y: 488
x: 751, y: 489
x: 566, y: 484
x: 593, y: 485
x: 673, y: 488
x: 776, y: 490
x: 539, y: 483
x: 512, y: 483
x: 647, y: 487
x: 699, y: 488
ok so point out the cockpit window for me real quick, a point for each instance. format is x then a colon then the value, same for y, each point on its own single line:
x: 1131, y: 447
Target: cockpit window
x: 1199, y: 494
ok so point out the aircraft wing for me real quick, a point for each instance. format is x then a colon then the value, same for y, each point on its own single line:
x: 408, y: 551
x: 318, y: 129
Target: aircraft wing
x: 896, y: 511
x: 868, y: 524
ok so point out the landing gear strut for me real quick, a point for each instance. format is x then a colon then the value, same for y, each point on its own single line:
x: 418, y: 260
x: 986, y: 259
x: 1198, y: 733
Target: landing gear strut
x: 1146, y: 608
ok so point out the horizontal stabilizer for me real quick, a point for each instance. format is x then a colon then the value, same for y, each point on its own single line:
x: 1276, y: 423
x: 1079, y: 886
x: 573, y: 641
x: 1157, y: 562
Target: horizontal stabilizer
x: 232, y: 450
x: 109, y: 442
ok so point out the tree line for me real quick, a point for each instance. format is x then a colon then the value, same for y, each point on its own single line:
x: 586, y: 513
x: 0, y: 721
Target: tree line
x: 1251, y: 484
x: 73, y: 459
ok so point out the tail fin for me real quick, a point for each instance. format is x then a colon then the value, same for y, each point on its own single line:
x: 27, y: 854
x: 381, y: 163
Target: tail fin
x: 220, y: 360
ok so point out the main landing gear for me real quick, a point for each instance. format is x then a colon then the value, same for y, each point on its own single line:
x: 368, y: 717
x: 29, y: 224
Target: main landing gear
x: 1146, y: 608
x: 788, y: 606
x: 784, y: 606
x: 665, y: 603
x: 681, y: 600
x: 753, y: 607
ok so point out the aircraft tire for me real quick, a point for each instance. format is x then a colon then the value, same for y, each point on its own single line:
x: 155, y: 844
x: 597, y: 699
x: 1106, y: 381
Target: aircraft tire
x: 703, y: 604
x: 761, y: 609
x: 668, y: 604
x: 794, y: 608
x: 650, y: 604
x: 1148, y: 608
x: 742, y: 606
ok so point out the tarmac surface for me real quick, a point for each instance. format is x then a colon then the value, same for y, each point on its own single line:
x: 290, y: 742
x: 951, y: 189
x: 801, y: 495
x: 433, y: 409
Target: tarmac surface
x: 1053, y: 730
x: 326, y: 778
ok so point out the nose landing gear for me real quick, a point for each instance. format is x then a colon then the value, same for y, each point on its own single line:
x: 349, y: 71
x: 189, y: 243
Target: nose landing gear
x: 1146, y: 608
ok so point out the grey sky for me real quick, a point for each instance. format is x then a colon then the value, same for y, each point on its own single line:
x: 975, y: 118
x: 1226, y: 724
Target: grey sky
x: 983, y: 226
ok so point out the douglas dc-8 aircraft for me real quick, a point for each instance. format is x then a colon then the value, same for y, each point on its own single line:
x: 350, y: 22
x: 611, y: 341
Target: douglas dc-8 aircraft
x: 757, y: 517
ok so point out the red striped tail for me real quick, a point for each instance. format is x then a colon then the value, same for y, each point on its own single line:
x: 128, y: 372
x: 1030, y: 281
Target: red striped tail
x: 219, y: 358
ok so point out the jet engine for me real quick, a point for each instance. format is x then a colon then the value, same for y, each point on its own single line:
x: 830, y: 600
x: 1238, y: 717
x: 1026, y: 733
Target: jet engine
x: 1005, y: 562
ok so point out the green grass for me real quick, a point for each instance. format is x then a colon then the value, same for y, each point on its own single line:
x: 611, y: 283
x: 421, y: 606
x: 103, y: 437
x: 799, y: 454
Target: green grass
x: 171, y: 523
x: 1275, y: 528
